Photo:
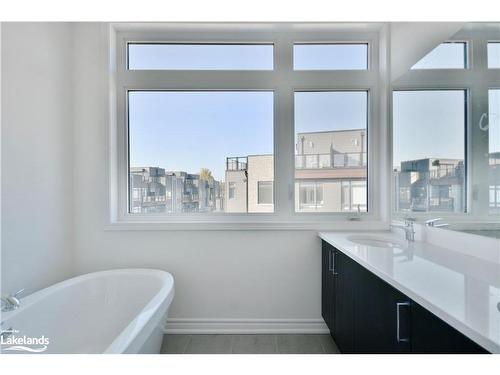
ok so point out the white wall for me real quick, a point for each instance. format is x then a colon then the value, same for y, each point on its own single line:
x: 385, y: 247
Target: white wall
x: 37, y: 175
x: 219, y: 275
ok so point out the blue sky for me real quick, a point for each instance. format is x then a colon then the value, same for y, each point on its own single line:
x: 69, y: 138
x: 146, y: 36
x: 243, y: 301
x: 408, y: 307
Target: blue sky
x: 444, y: 56
x: 428, y: 124
x: 199, y: 56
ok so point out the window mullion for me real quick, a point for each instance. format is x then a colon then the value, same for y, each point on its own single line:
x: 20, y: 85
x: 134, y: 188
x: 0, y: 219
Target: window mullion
x: 283, y: 129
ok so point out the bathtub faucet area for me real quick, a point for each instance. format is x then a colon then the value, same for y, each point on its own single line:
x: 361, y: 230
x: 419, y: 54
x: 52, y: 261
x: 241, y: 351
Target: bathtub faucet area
x: 11, y: 302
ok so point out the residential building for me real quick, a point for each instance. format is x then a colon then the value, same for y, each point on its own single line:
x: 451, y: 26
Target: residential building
x: 155, y: 190
x: 331, y: 171
x: 330, y: 175
x: 249, y: 184
x: 430, y: 184
x: 147, y: 190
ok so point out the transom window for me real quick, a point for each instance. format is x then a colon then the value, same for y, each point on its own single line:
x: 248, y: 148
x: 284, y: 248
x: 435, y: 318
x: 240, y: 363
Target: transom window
x: 448, y: 55
x: 162, y: 56
x: 494, y: 55
x: 339, y: 56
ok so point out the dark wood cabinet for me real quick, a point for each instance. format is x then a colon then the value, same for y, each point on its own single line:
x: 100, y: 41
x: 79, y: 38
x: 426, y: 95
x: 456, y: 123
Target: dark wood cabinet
x: 382, y: 316
x: 327, y: 285
x: 431, y: 335
x: 343, y: 319
x: 367, y: 315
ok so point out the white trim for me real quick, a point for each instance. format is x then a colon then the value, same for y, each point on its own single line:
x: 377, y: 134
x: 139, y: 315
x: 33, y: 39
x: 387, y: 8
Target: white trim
x: 245, y: 326
x: 248, y: 225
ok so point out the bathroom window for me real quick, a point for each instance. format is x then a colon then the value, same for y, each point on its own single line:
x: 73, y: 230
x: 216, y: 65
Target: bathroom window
x: 340, y: 56
x: 201, y: 133
x: 160, y: 56
x: 265, y: 192
x: 429, y: 164
x: 494, y: 55
x: 449, y: 55
x: 181, y: 145
x: 331, y: 137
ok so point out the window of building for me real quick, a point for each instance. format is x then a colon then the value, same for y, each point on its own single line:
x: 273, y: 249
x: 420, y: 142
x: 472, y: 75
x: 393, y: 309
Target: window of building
x: 429, y: 128
x: 449, y: 55
x: 331, y: 130
x: 494, y: 55
x: 494, y: 198
x: 161, y: 56
x: 354, y: 196
x: 231, y: 190
x: 340, y: 56
x: 310, y: 195
x: 265, y: 192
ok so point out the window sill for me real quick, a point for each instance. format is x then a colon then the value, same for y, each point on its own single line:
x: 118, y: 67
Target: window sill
x: 245, y: 226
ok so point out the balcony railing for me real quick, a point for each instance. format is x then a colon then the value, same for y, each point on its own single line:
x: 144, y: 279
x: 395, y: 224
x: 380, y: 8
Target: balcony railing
x: 236, y: 164
x: 340, y: 160
x: 445, y: 172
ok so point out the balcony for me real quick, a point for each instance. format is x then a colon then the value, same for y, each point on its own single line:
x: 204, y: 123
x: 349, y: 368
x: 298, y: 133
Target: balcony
x: 236, y: 164
x: 339, y: 160
x: 445, y: 172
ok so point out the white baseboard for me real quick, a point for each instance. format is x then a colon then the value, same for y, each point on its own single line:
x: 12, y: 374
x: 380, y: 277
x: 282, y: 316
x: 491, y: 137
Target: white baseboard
x: 245, y: 326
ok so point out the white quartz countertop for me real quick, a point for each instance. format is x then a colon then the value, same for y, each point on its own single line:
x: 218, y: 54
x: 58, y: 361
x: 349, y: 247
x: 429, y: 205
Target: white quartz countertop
x: 462, y: 290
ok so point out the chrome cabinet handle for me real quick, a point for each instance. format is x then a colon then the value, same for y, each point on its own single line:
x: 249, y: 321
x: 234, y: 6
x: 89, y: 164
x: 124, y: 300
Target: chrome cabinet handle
x: 398, y: 328
x: 331, y: 263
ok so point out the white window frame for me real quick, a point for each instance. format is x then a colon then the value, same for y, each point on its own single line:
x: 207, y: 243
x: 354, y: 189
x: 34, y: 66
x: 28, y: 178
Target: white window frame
x: 283, y: 81
x: 476, y: 80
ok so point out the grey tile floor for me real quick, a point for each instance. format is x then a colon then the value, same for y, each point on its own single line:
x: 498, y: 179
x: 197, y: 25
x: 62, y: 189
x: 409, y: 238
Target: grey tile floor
x: 248, y: 344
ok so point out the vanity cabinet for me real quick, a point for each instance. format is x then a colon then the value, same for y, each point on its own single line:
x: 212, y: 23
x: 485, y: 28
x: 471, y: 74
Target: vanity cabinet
x: 432, y: 335
x: 337, y: 305
x: 382, y: 316
x: 367, y: 315
x: 327, y: 284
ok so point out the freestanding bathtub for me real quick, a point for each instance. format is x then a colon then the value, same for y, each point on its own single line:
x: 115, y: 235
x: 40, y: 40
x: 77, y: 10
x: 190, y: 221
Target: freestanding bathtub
x: 116, y: 311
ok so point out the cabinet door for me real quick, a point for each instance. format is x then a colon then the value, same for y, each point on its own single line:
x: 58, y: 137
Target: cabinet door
x: 431, y: 335
x: 382, y: 316
x: 345, y: 281
x: 327, y: 285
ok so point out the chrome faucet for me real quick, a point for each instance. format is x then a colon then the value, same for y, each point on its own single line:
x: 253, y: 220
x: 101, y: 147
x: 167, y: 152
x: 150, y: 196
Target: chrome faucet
x: 11, y: 302
x: 435, y: 223
x: 408, y: 228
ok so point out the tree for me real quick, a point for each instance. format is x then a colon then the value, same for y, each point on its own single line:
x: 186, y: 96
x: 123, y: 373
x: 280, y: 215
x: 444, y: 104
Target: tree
x: 206, y: 174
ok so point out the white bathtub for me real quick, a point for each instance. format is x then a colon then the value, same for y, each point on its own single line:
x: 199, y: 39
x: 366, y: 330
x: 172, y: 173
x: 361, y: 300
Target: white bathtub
x: 117, y: 311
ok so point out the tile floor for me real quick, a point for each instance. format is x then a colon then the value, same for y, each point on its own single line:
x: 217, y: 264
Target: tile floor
x: 248, y: 344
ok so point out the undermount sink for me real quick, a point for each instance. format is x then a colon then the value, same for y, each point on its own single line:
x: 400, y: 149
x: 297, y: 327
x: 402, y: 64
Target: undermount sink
x: 376, y: 241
